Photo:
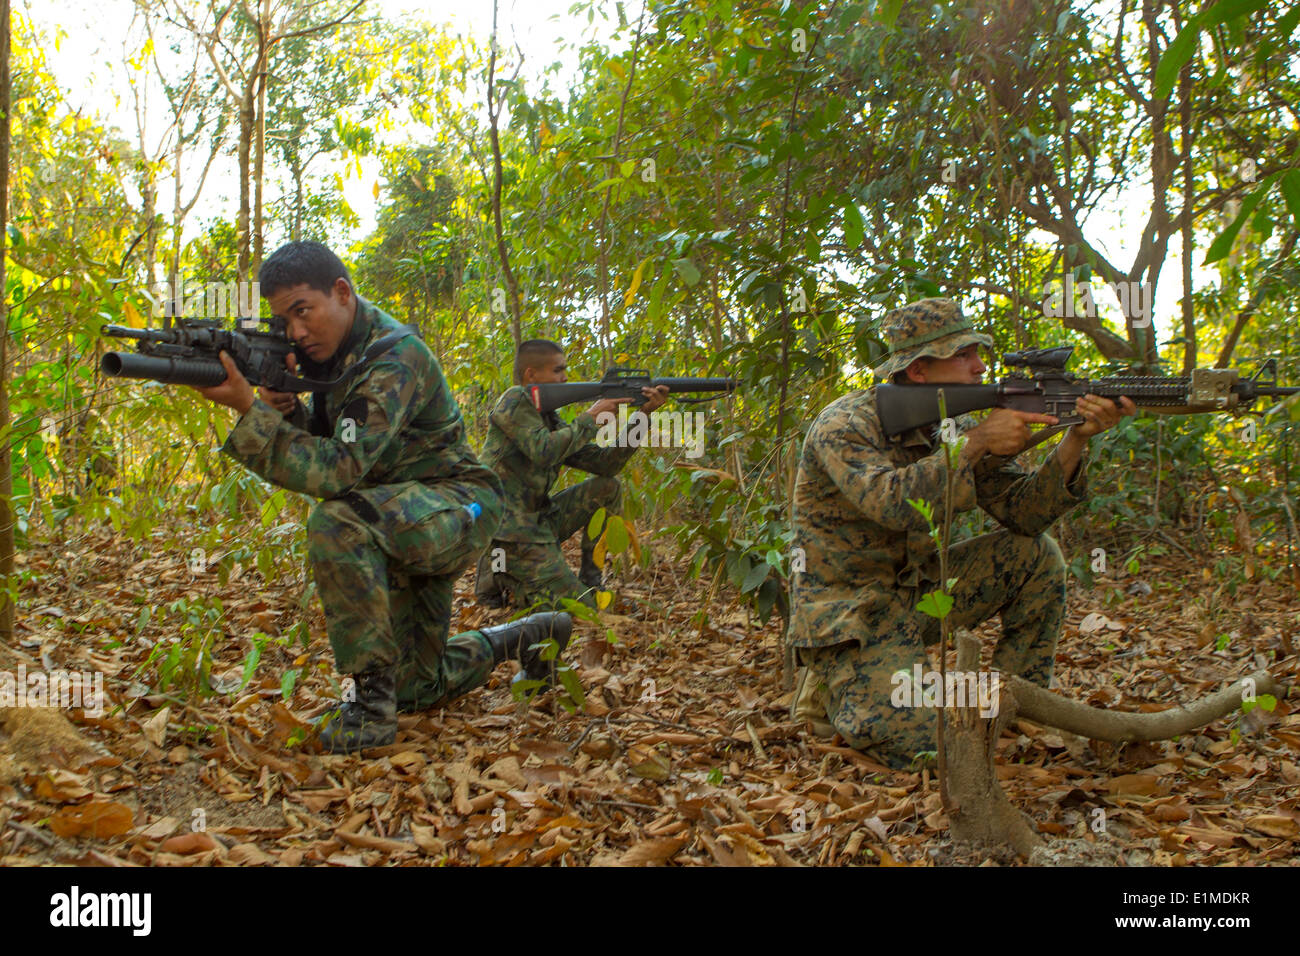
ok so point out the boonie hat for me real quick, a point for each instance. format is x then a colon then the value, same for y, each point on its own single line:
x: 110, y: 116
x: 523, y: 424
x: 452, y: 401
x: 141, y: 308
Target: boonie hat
x: 929, y: 328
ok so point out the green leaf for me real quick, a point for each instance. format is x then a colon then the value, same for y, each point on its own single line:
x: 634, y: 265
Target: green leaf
x: 627, y: 167
x: 595, y: 524
x: 887, y: 12
x: 1291, y: 190
x: 573, y: 686
x: 1222, y: 245
x: 287, y: 683
x: 616, y: 538
x: 923, y: 506
x: 686, y: 269
x: 756, y: 576
x: 1176, y: 54
x: 1226, y: 10
x: 1267, y: 701
x: 936, y: 604
x: 250, y: 662
x: 853, y: 225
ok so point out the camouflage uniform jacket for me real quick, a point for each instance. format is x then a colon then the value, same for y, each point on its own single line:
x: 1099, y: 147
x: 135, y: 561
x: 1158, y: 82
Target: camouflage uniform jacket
x: 527, y: 448
x: 395, y: 421
x: 867, y: 551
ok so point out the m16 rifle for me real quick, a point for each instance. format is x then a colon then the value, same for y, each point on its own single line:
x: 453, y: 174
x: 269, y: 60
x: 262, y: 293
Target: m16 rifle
x: 1045, y: 387
x: 187, y: 353
x: 620, y: 382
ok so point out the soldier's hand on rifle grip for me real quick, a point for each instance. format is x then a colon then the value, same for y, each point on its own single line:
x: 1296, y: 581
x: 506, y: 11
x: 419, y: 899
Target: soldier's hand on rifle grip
x: 282, y: 402
x: 1100, y: 414
x: 654, y: 397
x: 234, y: 392
x: 606, y: 405
x: 1005, y: 433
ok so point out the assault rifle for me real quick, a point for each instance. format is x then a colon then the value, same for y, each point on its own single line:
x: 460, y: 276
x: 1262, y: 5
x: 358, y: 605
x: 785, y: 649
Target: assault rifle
x: 620, y: 382
x: 1045, y: 387
x: 187, y: 354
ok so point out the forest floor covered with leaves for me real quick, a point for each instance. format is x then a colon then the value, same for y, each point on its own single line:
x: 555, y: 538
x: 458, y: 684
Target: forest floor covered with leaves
x: 684, y: 753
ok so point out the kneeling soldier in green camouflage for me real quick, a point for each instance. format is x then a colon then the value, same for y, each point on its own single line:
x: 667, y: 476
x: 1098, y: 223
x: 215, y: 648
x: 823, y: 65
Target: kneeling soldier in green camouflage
x: 527, y: 448
x: 869, y: 557
x: 405, y: 507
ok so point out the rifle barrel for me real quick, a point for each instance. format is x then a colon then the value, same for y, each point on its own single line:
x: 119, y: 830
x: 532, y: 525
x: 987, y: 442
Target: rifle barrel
x: 697, y: 384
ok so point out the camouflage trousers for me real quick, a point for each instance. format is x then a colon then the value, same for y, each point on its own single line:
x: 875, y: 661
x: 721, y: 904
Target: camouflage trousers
x: 385, y: 560
x: 1018, y: 577
x: 525, y: 572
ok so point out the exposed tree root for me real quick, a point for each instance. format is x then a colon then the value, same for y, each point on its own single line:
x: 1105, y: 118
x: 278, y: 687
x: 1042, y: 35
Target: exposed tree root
x: 1043, y: 707
x: 980, y: 811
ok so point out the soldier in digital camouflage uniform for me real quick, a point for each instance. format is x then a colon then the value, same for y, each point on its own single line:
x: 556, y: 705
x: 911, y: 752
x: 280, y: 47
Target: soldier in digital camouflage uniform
x: 385, y: 451
x: 869, y: 555
x: 527, y: 448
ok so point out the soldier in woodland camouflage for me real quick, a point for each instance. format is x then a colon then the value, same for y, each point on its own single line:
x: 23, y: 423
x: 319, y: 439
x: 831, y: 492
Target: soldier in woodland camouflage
x: 405, y: 507
x: 527, y: 449
x: 869, y: 557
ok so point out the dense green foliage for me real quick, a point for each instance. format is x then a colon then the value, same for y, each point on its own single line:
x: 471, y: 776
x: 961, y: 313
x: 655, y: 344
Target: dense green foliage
x: 722, y: 187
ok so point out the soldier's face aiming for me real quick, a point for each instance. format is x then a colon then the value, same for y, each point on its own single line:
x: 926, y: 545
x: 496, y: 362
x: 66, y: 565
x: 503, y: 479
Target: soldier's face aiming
x: 964, y: 368
x: 551, y: 370
x: 317, y: 322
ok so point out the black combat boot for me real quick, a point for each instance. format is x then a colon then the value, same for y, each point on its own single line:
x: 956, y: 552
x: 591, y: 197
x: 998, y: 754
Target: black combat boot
x: 520, y: 640
x: 368, y: 721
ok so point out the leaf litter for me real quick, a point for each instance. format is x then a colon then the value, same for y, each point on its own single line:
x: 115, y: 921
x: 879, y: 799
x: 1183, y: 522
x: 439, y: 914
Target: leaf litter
x: 683, y: 755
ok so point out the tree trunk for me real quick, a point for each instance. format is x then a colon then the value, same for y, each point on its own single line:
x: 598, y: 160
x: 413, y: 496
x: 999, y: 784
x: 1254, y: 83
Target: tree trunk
x: 245, y: 150
x: 981, y: 812
x: 263, y: 24
x: 6, y: 449
x: 512, y: 287
x: 1185, y: 124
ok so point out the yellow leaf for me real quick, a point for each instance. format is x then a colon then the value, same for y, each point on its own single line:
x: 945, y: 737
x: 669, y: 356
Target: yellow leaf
x: 598, y: 552
x: 375, y: 189
x: 632, y: 538
x: 544, y: 133
x: 132, y: 315
x: 616, y: 68
x: 622, y: 358
x: 603, y: 598
x: 630, y: 294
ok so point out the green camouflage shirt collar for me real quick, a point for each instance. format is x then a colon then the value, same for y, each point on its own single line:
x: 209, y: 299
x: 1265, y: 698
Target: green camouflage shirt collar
x: 355, y: 346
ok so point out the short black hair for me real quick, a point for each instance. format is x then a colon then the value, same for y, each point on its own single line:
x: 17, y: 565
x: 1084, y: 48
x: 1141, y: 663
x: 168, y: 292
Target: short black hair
x: 301, y: 263
x: 531, y: 354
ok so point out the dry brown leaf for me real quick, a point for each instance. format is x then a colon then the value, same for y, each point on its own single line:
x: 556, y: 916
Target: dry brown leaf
x: 507, y: 769
x: 187, y: 843
x: 155, y: 728
x: 1093, y: 623
x: 101, y: 818
x: 61, y: 786
x: 250, y: 854
x: 651, y: 852
x: 1137, y: 784
x: 427, y: 840
x: 1275, y: 825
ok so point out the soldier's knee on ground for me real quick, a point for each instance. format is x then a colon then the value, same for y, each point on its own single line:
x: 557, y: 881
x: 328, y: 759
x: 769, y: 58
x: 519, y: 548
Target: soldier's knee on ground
x: 898, y: 734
